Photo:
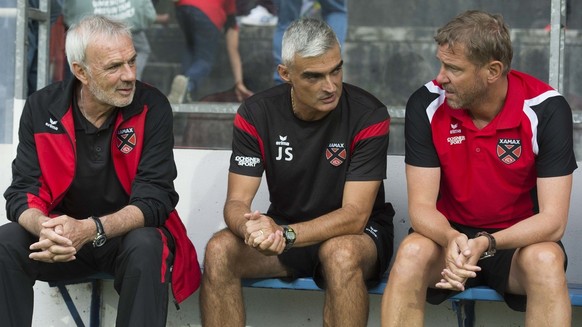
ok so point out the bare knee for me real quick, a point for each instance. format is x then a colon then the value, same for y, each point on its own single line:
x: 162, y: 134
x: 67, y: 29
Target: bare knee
x: 342, y: 261
x: 339, y: 255
x: 542, y: 263
x: 220, y: 253
x: 417, y: 258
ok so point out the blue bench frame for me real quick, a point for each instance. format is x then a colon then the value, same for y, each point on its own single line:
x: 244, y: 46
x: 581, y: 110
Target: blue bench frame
x: 463, y: 303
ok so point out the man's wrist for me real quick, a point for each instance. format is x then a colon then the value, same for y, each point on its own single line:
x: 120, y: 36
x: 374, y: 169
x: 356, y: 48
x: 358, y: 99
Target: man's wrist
x: 32, y: 219
x: 289, y: 235
x: 492, y: 245
x: 100, y: 237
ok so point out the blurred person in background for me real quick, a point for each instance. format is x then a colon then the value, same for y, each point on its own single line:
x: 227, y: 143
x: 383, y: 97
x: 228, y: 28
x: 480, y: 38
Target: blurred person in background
x: 139, y: 15
x: 202, y: 23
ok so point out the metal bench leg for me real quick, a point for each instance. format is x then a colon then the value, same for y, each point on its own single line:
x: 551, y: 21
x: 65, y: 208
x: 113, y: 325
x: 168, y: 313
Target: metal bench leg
x: 465, y: 310
x: 71, y: 305
x: 95, y: 303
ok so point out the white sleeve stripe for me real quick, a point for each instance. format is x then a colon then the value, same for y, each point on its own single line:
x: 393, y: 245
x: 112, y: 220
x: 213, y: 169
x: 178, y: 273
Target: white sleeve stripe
x: 541, y: 98
x: 533, y: 118
x: 432, y: 108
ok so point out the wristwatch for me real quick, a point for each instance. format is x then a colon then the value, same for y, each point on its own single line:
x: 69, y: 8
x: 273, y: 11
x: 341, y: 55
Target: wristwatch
x: 100, y: 238
x: 492, y: 245
x: 289, y: 235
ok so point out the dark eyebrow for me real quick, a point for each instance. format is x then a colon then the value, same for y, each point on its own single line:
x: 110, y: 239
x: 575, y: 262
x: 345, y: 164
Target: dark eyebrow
x: 318, y: 74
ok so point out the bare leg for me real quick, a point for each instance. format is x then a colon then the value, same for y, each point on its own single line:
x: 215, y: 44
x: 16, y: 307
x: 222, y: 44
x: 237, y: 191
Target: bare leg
x: 227, y: 260
x: 418, y: 264
x: 538, y: 271
x: 347, y: 261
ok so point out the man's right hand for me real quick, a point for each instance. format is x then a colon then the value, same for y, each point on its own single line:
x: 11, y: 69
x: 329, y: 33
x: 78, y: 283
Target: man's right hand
x: 262, y: 233
x: 60, y: 238
x: 461, y: 258
x: 274, y: 244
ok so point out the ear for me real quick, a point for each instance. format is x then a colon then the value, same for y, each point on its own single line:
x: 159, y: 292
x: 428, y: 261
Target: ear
x: 494, y: 71
x: 80, y: 72
x: 284, y: 73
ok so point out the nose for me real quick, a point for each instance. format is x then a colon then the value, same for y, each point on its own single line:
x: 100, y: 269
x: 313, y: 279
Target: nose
x: 442, y: 78
x: 128, y: 74
x: 328, y: 84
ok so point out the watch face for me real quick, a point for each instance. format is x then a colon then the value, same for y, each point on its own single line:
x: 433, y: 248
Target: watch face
x: 99, y: 241
x: 290, y: 235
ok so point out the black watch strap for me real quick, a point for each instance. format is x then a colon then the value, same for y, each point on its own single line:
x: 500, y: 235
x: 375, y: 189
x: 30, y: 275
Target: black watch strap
x: 100, y: 238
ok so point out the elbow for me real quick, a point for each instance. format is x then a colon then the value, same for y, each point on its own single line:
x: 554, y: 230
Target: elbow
x: 359, y: 229
x: 359, y: 225
x: 558, y: 233
x: 557, y: 229
x: 356, y: 219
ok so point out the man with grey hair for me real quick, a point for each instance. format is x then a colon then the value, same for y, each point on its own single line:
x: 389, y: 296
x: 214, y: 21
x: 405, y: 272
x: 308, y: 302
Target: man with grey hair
x: 322, y: 145
x: 489, y: 163
x: 92, y: 188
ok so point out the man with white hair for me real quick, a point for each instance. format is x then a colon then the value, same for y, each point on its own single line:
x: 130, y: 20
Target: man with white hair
x: 92, y: 188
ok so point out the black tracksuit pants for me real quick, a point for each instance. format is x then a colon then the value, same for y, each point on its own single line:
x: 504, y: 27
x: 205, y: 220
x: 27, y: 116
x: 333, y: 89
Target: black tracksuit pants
x: 135, y: 260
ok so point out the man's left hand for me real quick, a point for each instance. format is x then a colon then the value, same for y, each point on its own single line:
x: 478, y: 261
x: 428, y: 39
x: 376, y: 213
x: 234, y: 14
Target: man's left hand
x: 60, y: 239
x: 53, y: 246
x: 460, y: 264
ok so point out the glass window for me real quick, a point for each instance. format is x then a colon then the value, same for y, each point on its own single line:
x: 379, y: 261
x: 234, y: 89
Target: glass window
x: 389, y: 51
x: 7, y: 50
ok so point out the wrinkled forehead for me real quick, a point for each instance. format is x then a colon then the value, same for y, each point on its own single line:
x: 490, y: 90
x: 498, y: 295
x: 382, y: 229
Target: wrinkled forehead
x: 105, y: 49
x: 455, y: 52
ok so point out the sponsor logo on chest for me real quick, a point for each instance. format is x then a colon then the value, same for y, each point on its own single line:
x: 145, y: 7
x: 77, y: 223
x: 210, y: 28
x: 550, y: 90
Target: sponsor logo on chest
x: 455, y: 138
x: 52, y: 124
x: 284, y: 149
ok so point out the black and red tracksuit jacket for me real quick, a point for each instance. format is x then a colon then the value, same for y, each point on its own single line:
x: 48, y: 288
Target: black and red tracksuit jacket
x: 142, y: 154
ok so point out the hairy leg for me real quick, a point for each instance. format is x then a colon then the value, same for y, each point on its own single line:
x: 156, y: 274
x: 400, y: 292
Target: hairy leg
x: 417, y: 266
x: 538, y: 271
x: 346, y: 262
x: 228, y: 259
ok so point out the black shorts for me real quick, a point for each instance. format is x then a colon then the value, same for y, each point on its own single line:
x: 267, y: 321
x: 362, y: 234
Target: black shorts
x: 494, y: 273
x: 304, y: 261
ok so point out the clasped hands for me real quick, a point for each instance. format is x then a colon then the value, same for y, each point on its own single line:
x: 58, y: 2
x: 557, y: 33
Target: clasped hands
x: 262, y: 233
x: 461, y: 257
x: 59, y: 240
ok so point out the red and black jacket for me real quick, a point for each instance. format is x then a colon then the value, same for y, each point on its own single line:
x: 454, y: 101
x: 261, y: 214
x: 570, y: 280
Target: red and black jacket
x: 142, y: 154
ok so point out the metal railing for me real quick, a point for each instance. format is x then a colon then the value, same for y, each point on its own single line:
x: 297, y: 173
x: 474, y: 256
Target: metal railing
x: 42, y: 16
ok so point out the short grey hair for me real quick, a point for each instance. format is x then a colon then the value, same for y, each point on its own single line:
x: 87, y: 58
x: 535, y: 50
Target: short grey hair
x: 89, y: 29
x: 307, y: 37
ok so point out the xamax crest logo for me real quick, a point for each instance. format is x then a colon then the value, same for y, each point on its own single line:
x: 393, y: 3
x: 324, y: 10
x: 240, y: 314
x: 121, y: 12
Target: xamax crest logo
x: 336, y: 154
x: 126, y: 139
x: 508, y: 150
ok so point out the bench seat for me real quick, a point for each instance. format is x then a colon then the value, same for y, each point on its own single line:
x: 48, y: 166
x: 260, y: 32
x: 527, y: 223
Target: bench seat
x: 463, y: 303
